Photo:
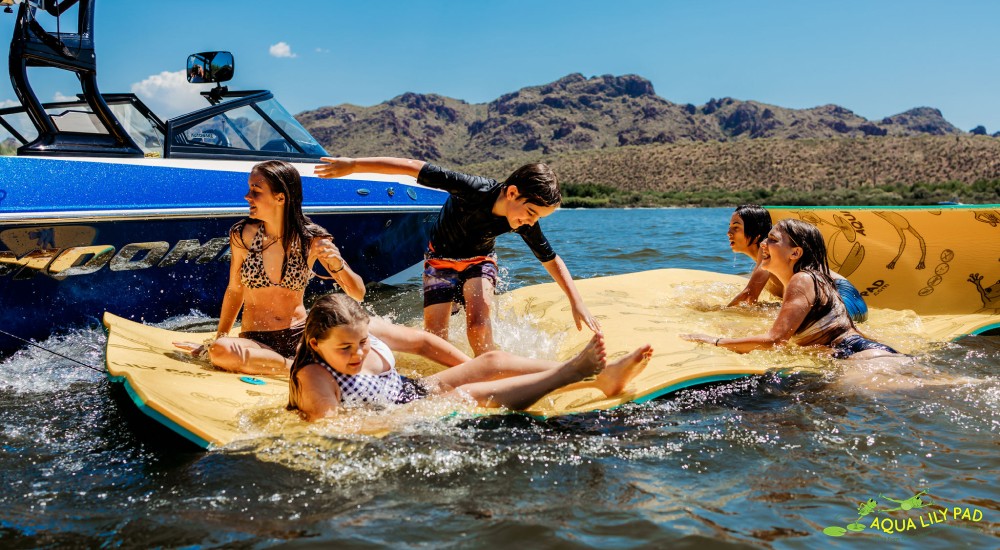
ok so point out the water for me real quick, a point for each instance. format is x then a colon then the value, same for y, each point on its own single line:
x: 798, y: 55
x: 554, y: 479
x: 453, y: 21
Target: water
x: 765, y: 461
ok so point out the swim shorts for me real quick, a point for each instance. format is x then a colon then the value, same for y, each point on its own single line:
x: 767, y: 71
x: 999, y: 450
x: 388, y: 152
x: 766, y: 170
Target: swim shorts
x: 444, y: 278
x: 285, y: 341
x: 856, y: 343
x: 412, y: 390
x: 855, y: 303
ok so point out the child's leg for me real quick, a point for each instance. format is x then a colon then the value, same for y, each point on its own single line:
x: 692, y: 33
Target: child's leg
x: 247, y: 357
x: 491, y: 365
x: 619, y: 373
x: 436, y: 319
x: 441, y: 287
x: 478, y: 294
x: 517, y: 392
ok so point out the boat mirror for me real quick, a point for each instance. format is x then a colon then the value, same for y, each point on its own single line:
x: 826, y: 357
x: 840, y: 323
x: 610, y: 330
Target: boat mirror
x: 208, y: 67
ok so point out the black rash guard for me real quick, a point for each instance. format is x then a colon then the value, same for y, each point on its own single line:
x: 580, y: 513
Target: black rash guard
x: 466, y: 226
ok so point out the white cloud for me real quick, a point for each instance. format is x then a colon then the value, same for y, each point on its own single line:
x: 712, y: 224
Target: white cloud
x: 169, y: 94
x: 281, y: 49
x: 322, y: 50
x: 59, y: 96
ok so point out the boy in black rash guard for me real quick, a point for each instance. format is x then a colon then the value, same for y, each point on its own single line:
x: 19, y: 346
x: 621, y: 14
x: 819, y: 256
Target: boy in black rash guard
x: 461, y: 265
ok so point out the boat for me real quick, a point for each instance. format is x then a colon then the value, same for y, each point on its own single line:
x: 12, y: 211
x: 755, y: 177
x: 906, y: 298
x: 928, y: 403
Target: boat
x: 106, y: 206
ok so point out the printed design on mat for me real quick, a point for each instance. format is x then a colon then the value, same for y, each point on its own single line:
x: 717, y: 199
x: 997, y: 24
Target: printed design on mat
x: 901, y: 224
x: 991, y: 217
x: 989, y: 295
x: 848, y: 229
x: 946, y: 256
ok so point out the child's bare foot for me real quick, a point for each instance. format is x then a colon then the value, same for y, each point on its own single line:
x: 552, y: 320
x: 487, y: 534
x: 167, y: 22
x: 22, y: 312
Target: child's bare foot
x: 588, y: 362
x: 618, y: 374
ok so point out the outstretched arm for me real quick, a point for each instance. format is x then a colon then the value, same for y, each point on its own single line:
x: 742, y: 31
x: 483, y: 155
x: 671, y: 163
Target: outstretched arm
x: 560, y: 274
x: 798, y: 299
x: 418, y: 342
x: 344, y: 166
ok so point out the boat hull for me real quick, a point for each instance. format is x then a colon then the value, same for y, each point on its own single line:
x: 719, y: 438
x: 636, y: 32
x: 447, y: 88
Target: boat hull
x: 151, y: 242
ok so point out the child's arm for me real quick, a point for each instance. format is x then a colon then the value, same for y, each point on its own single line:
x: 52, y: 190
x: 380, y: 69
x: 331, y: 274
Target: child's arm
x: 343, y: 166
x: 758, y: 280
x: 419, y: 342
x: 796, y: 303
x: 232, y: 300
x: 319, y: 395
x: 560, y: 274
x: 326, y: 253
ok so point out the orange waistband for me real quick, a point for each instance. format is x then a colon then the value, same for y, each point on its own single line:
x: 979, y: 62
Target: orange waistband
x: 458, y: 265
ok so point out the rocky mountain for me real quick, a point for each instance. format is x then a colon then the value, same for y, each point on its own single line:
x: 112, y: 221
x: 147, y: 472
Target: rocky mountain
x: 576, y: 113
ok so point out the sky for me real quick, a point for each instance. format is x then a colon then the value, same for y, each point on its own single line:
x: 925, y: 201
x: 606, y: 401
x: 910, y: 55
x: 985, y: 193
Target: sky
x: 875, y: 57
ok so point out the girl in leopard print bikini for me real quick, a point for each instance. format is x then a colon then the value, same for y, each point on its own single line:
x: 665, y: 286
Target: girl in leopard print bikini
x: 273, y: 252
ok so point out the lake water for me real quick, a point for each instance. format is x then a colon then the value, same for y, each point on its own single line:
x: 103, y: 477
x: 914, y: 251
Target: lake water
x: 764, y: 461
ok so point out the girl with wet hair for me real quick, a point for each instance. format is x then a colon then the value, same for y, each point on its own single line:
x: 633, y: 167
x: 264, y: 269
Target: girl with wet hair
x: 273, y: 253
x: 812, y: 312
x: 346, y: 360
x: 748, y: 227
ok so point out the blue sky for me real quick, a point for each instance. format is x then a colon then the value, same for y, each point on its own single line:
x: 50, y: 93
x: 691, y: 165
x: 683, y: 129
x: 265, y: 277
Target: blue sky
x: 877, y: 58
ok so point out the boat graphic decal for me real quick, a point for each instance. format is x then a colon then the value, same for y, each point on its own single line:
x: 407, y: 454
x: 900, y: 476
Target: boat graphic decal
x: 60, y: 263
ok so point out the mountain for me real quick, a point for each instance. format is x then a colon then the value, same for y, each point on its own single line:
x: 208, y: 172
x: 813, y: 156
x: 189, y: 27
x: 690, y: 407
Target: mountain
x: 576, y: 113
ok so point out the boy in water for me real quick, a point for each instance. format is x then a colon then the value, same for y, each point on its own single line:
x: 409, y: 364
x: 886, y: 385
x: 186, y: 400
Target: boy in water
x: 461, y: 264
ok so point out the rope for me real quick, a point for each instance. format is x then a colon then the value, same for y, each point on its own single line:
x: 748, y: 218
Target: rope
x: 82, y: 364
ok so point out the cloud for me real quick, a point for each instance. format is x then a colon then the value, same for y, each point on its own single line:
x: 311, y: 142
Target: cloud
x: 59, y: 96
x: 322, y: 50
x: 8, y: 103
x: 169, y: 94
x: 281, y: 49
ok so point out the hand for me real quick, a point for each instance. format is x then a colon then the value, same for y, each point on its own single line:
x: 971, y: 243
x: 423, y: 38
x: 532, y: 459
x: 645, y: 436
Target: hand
x: 698, y: 337
x: 335, y: 167
x: 195, y: 349
x: 329, y: 255
x: 582, y: 317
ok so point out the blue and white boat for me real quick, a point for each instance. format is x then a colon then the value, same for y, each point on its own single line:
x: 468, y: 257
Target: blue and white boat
x: 108, y: 207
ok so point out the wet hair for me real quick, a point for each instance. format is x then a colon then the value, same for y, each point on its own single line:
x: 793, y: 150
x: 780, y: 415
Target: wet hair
x: 537, y: 183
x: 329, y: 312
x: 756, y: 222
x: 805, y: 236
x: 298, y: 229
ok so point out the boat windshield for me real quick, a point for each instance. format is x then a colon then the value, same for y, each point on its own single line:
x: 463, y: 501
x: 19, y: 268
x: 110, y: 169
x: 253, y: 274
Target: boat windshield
x: 144, y: 131
x: 258, y: 126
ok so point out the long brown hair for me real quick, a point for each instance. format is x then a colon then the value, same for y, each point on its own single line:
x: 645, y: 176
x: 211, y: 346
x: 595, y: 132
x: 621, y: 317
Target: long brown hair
x: 298, y: 229
x: 329, y: 312
x: 807, y: 237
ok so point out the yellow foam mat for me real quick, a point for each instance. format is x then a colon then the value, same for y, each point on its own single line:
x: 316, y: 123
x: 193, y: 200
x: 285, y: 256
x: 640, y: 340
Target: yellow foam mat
x: 213, y: 408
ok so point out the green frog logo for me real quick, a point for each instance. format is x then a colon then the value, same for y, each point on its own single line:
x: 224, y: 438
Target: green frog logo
x: 864, y: 509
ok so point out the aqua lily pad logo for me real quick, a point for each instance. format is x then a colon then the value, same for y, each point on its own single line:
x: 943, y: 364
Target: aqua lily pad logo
x: 891, y: 523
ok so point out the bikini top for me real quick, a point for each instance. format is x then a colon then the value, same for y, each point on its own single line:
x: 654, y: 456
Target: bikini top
x: 827, y: 319
x: 253, y: 275
x: 370, y: 389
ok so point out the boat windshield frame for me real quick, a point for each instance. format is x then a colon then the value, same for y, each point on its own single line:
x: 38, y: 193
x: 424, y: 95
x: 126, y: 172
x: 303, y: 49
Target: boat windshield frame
x: 281, y: 142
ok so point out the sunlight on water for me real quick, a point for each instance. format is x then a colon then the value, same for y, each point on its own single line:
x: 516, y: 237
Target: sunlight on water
x: 765, y: 460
